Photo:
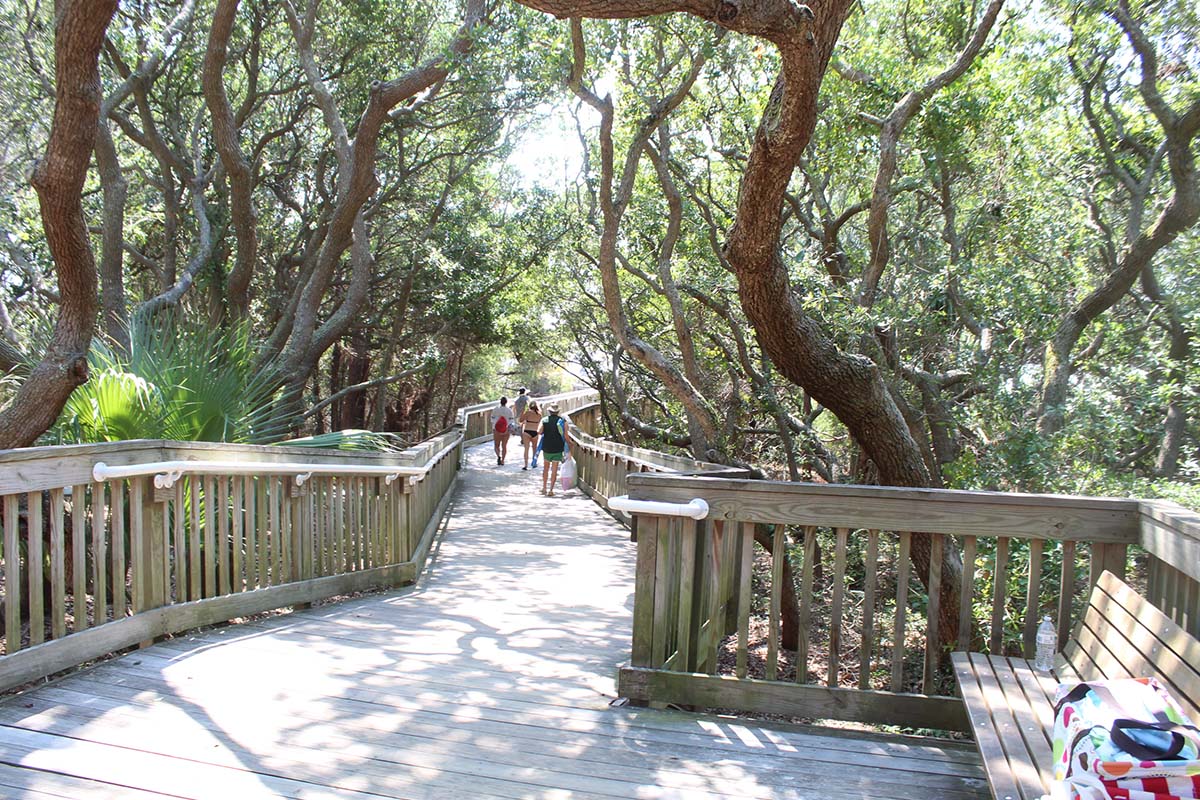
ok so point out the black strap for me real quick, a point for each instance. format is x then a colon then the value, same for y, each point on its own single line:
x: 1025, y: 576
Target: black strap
x: 1180, y: 734
x: 1075, y: 695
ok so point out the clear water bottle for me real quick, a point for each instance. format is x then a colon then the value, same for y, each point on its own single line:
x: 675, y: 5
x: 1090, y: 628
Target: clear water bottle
x: 1047, y: 642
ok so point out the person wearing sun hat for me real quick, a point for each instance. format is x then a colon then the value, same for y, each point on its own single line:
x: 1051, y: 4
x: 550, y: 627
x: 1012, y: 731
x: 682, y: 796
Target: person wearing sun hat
x: 555, y: 439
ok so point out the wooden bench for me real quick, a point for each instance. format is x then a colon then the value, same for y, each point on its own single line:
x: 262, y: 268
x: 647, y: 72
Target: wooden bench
x: 1010, y: 706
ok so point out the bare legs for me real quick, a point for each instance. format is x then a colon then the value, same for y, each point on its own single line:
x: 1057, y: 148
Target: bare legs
x: 501, y: 444
x: 549, y: 470
x: 528, y: 441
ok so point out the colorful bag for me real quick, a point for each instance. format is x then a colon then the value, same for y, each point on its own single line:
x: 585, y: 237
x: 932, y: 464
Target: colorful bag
x: 502, y: 424
x: 1124, y: 740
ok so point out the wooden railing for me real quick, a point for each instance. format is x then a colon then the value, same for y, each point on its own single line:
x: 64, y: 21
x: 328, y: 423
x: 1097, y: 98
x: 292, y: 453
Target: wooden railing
x: 603, y: 464
x: 1170, y: 536
x: 476, y: 420
x: 93, y: 566
x: 707, y: 622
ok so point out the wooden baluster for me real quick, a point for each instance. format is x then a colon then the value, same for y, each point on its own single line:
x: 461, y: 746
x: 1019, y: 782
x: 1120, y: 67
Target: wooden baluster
x: 408, y: 533
x: 1066, y: 599
x: 716, y: 532
x: 117, y: 538
x: 745, y: 579
x: 319, y: 501
x: 137, y: 544
x: 870, y: 576
x: 250, y: 498
x: 161, y: 519
x: 58, y: 565
x: 274, y: 538
x: 731, y: 564
x: 400, y: 511
x: 288, y: 548
x: 902, y: 572
x: 686, y: 636
x: 368, y: 521
x: 79, y: 571
x: 33, y: 550
x: 643, y: 606
x: 372, y: 493
x: 778, y: 554
x: 225, y: 585
x: 99, y: 554
x: 1033, y: 598
x: 339, y: 527
x: 1171, y: 594
x: 397, y: 522
x: 12, y: 573
x: 966, y: 594
x: 383, y: 506
x: 999, y: 597
x: 195, y: 574
x: 332, y: 528
x: 355, y: 544
x: 933, y: 648
x: 210, y: 537
x: 310, y: 532
x: 662, y: 591
x: 157, y: 547
x: 673, y: 574
x: 806, y: 602
x: 237, y: 533
x: 180, y: 535
x: 1106, y: 556
x: 835, y: 613
x: 1191, y: 622
x: 360, y: 523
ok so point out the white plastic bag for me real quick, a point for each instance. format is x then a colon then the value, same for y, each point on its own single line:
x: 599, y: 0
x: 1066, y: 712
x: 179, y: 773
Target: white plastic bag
x: 567, y: 474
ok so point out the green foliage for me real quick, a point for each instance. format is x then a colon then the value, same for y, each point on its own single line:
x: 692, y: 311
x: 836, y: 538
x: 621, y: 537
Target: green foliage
x: 179, y: 381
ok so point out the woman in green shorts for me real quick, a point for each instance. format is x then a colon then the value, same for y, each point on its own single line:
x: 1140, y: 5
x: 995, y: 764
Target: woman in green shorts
x: 554, y: 443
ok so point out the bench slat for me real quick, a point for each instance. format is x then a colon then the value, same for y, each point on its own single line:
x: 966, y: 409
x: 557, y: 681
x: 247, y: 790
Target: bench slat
x: 1017, y: 694
x: 1008, y: 727
x: 995, y: 763
x: 1039, y: 689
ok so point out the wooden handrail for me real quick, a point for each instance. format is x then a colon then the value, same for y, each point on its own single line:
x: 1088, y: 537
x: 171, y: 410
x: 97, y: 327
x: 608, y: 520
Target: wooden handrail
x: 166, y: 473
x: 221, y: 531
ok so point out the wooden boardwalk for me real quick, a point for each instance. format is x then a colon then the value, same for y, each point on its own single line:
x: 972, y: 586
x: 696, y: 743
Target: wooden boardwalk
x: 492, y: 678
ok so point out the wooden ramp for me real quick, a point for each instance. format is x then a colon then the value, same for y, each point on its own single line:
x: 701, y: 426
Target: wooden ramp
x: 492, y: 678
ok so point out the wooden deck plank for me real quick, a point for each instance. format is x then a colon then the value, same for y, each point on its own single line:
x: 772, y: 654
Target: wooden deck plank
x: 32, y: 784
x: 492, y: 678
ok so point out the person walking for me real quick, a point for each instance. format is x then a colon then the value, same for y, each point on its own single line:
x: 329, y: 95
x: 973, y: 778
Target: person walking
x: 503, y: 422
x: 528, y: 420
x: 520, y: 403
x: 555, y: 439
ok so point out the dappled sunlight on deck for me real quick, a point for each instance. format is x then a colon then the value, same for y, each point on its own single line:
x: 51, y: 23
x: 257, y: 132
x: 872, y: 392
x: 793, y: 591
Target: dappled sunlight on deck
x: 493, y: 677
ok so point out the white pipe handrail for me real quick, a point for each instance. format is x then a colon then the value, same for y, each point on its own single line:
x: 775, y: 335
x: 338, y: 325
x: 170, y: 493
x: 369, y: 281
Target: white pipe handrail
x: 166, y: 473
x: 696, y: 508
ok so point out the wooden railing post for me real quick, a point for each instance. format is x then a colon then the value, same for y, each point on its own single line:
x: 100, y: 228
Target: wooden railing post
x: 148, y: 523
x: 643, y: 593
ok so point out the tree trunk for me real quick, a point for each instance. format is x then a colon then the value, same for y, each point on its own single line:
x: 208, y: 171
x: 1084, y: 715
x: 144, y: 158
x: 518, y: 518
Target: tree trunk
x: 225, y: 137
x: 789, y: 607
x: 58, y: 179
x: 112, y: 254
